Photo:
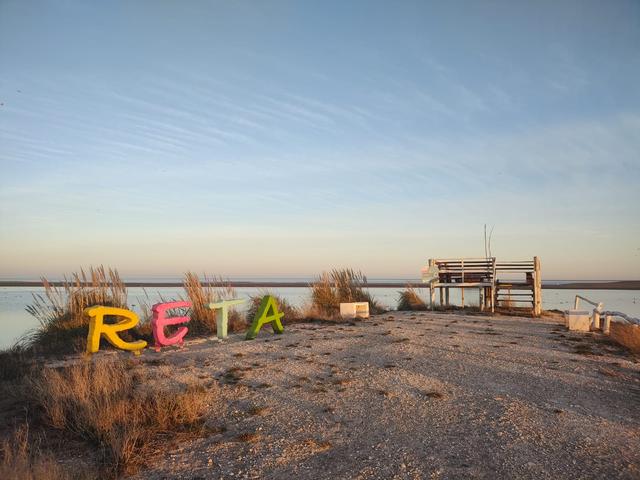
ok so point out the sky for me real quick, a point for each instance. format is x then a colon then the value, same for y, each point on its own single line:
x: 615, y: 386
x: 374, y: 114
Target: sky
x: 284, y: 138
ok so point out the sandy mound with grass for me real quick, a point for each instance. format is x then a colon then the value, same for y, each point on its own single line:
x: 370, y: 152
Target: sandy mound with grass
x: 409, y: 396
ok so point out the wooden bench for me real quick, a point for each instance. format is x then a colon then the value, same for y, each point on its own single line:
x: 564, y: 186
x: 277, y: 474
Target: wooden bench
x: 462, y: 273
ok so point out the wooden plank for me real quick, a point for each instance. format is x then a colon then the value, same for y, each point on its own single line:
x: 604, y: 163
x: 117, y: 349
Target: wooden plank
x: 515, y: 267
x: 516, y: 294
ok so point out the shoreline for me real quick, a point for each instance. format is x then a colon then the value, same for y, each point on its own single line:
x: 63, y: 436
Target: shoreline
x: 613, y: 285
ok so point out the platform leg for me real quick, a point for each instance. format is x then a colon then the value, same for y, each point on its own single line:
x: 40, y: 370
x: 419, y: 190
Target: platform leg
x: 493, y: 300
x: 432, y: 296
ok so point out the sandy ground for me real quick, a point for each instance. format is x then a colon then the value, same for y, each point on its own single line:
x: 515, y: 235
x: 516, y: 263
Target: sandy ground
x: 406, y: 395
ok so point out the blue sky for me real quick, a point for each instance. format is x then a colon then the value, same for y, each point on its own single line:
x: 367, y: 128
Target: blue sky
x: 285, y: 138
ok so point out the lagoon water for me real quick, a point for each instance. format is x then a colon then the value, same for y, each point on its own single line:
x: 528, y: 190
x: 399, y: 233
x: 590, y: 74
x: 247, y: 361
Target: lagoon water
x: 15, y: 321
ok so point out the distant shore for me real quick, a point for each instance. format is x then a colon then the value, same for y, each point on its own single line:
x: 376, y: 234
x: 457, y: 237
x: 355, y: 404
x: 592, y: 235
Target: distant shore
x: 617, y: 285
x: 613, y: 285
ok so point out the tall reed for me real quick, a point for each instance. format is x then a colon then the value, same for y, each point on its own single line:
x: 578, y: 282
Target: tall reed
x: 60, y: 309
x: 203, y: 319
x: 410, y: 300
x: 341, y: 286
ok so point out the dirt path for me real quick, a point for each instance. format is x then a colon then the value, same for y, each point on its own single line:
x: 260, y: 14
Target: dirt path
x: 411, y: 396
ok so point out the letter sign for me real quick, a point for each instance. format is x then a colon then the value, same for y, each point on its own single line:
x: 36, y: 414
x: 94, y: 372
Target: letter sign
x: 267, y: 313
x: 222, y: 315
x: 159, y: 321
x: 97, y: 328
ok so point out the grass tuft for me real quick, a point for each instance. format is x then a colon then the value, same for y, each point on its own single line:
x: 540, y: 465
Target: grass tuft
x: 101, y: 402
x: 340, y: 286
x: 203, y: 320
x: 291, y: 313
x: 63, y: 326
x: 21, y: 458
x: 409, y: 300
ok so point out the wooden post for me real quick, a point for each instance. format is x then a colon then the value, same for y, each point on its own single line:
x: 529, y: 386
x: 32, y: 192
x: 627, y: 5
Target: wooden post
x: 446, y: 295
x: 432, y: 291
x: 537, y: 287
x: 441, y: 297
x: 480, y: 302
x: 462, y: 288
x: 493, y: 300
x: 432, y: 295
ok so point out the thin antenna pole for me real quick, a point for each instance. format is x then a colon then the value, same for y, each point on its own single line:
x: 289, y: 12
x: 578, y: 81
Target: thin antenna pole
x: 490, y: 234
x: 485, y: 241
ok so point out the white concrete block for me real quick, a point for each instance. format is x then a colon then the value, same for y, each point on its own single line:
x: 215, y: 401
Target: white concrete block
x: 579, y: 320
x: 354, y: 310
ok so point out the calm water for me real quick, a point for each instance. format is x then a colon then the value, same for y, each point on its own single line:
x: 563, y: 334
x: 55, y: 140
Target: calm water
x: 15, y: 321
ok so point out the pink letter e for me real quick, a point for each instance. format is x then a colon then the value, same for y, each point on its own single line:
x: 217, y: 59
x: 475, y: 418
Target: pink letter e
x: 159, y: 321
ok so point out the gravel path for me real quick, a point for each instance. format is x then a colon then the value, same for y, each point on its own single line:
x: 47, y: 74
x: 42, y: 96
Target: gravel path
x: 407, y: 395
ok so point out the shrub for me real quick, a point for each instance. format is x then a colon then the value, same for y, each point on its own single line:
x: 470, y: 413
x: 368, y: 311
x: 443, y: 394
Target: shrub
x: 410, y: 300
x: 63, y: 325
x: 100, y: 401
x: 203, y: 320
x: 339, y: 286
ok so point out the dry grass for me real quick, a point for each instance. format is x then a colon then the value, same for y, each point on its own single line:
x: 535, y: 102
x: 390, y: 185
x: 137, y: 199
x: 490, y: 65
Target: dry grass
x: 506, y: 303
x: 23, y: 459
x: 338, y: 286
x: 63, y: 325
x: 248, y: 437
x: 106, y: 403
x: 203, y: 320
x: 145, y: 313
x: 410, y: 300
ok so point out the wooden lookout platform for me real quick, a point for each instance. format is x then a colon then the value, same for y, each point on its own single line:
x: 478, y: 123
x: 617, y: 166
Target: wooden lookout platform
x: 501, y: 284
x: 519, y: 282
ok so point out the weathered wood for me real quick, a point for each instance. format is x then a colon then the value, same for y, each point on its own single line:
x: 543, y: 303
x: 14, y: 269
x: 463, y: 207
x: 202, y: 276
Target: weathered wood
x: 517, y: 294
x: 480, y: 273
x: 432, y: 292
x: 465, y: 273
x: 537, y: 277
